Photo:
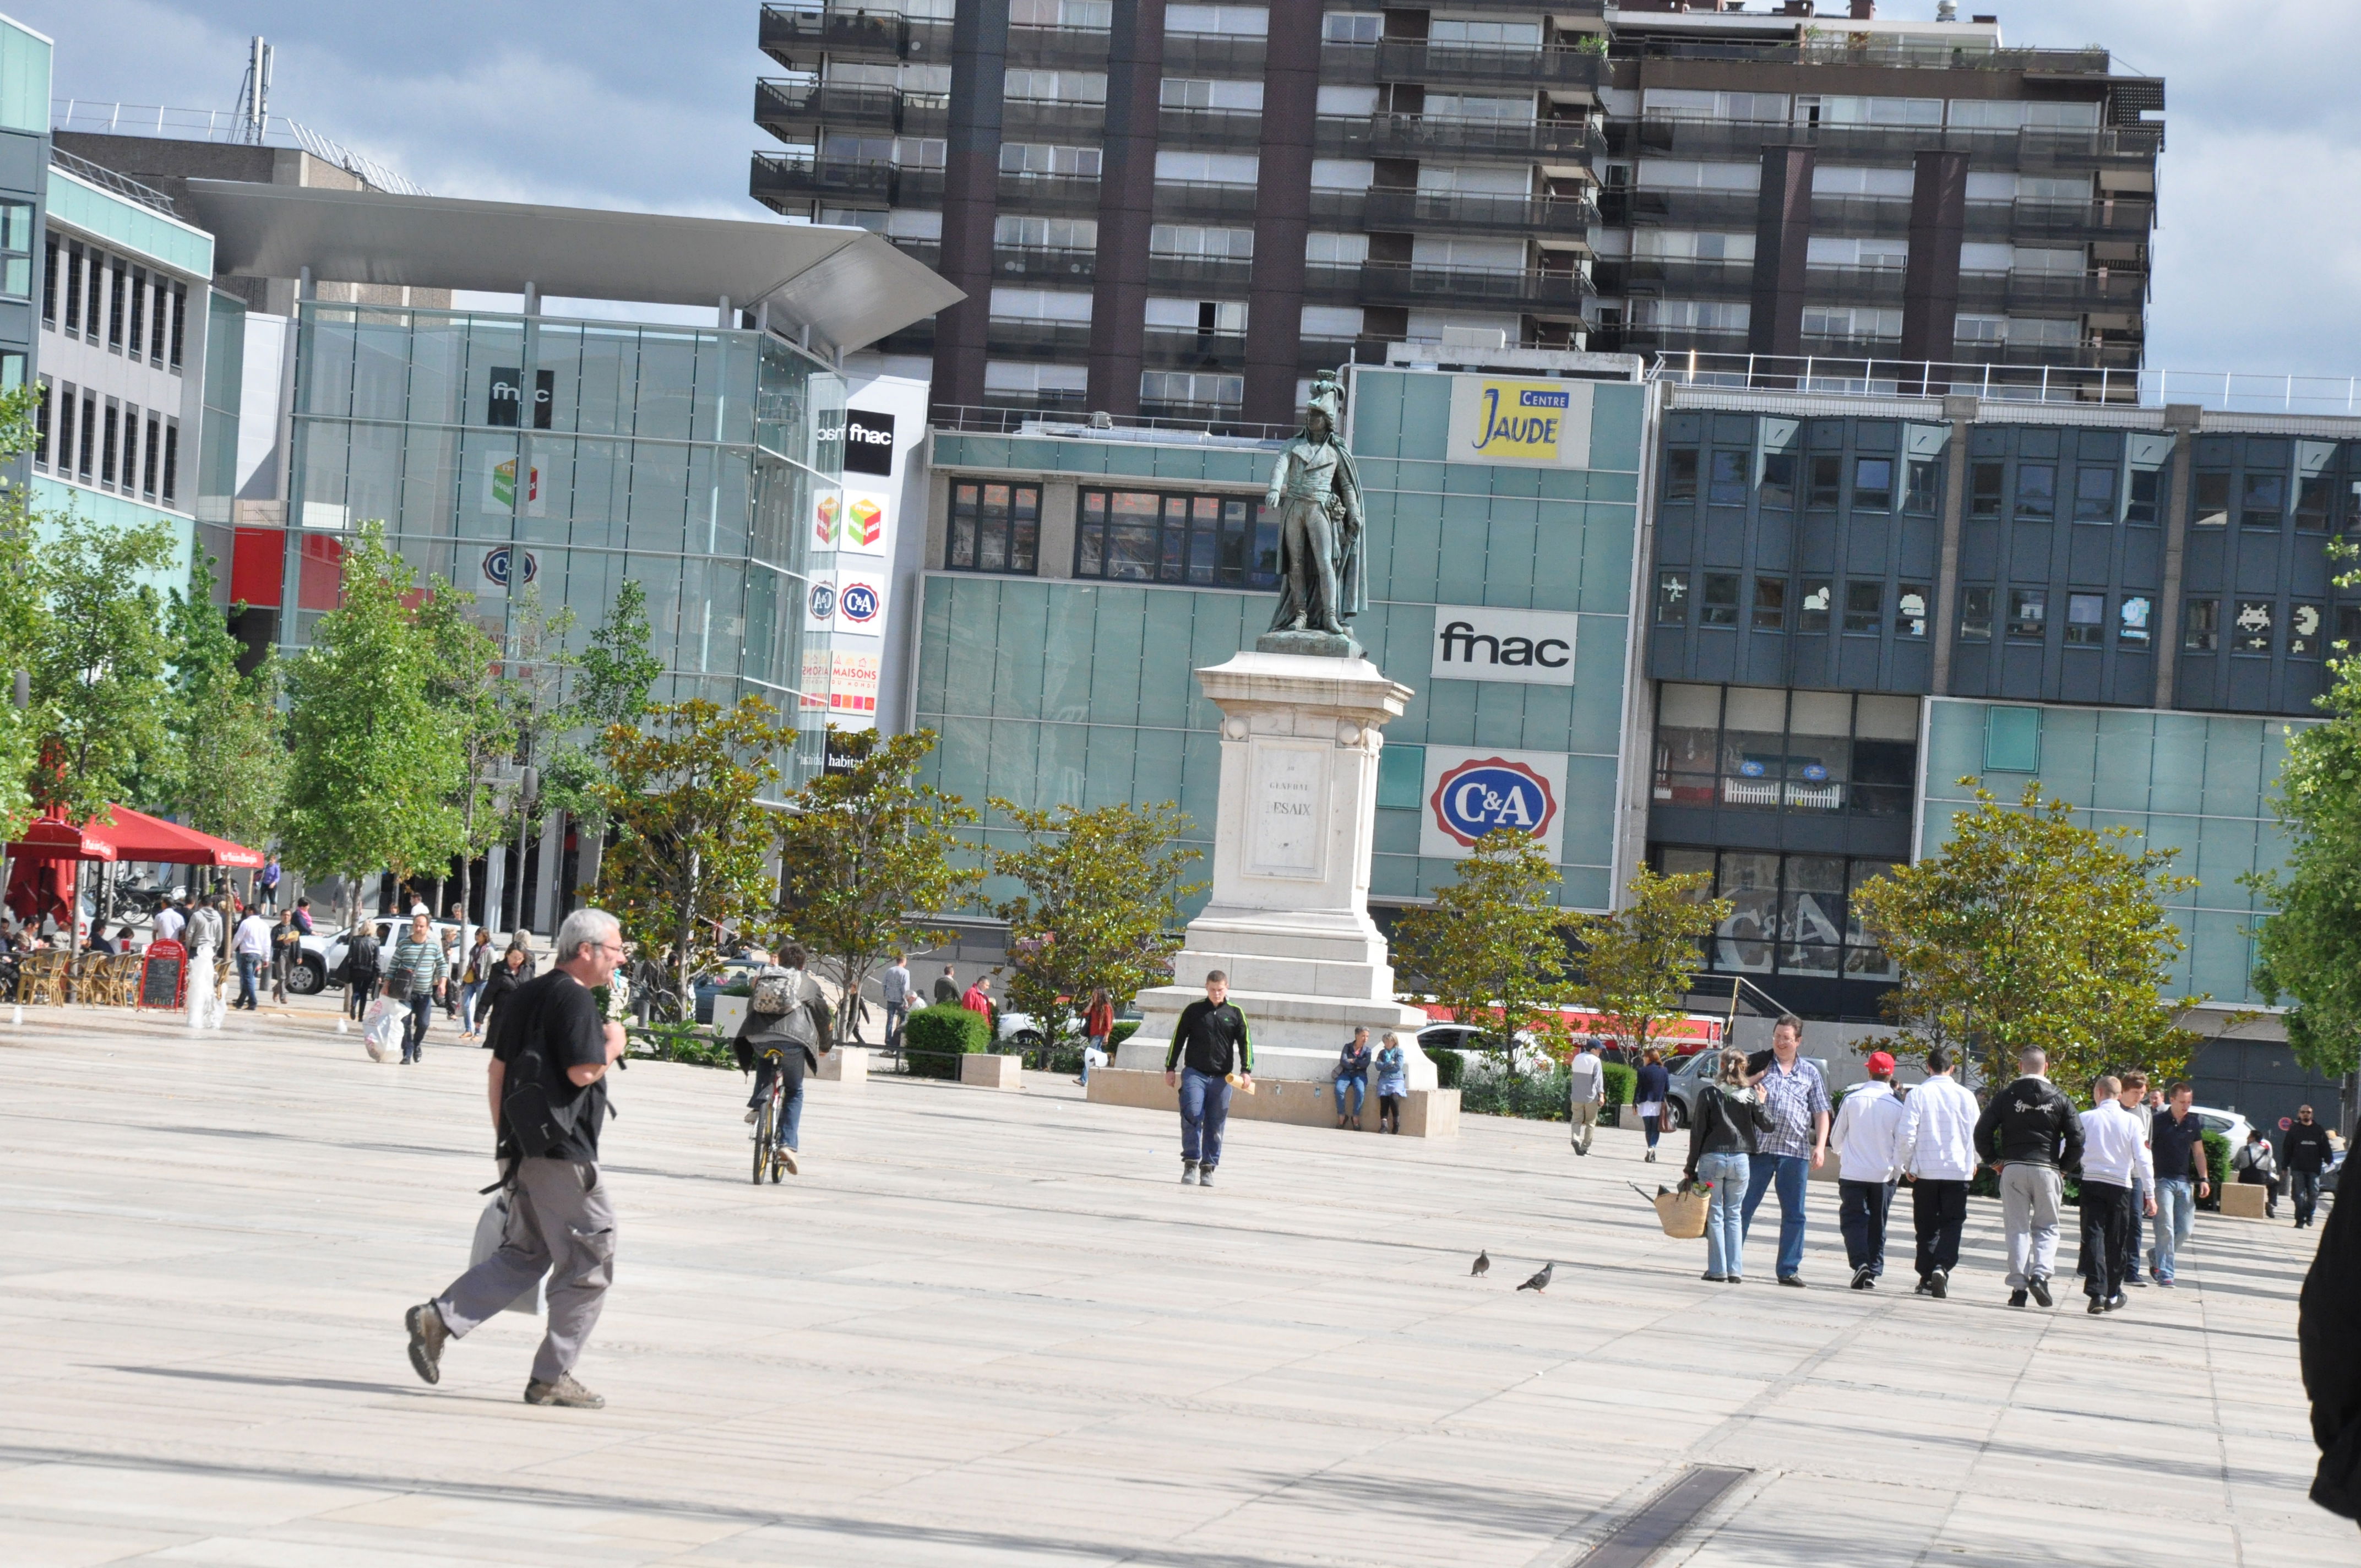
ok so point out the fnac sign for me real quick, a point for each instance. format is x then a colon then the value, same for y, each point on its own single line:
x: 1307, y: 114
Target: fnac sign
x: 1488, y: 792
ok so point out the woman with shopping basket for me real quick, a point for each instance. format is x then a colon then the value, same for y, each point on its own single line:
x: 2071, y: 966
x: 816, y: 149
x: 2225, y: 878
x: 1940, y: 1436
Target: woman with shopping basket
x: 1730, y: 1115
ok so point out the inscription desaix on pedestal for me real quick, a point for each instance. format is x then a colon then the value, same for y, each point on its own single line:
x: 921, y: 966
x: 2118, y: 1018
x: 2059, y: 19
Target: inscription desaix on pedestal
x: 1287, y: 795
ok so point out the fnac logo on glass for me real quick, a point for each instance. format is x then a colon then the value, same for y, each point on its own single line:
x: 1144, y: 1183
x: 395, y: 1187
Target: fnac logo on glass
x: 1520, y: 419
x: 1487, y: 793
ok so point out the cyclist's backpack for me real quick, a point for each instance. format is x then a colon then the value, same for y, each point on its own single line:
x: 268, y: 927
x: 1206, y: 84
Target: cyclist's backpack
x: 774, y: 993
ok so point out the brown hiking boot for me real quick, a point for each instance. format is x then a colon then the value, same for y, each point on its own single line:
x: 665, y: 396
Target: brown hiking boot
x: 566, y: 1392
x: 428, y: 1335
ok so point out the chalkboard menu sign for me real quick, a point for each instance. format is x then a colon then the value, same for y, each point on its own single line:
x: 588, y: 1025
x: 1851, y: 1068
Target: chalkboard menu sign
x: 160, y: 976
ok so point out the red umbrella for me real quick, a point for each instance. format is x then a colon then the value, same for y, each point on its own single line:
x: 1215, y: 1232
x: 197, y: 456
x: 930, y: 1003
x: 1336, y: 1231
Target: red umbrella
x: 55, y: 838
x: 137, y: 836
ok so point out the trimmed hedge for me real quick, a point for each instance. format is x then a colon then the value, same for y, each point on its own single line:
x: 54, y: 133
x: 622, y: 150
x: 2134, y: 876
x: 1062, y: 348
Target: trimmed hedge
x: 1489, y: 1090
x: 1450, y: 1067
x: 1622, y: 1083
x: 2217, y: 1168
x: 1125, y: 1028
x: 934, y: 1038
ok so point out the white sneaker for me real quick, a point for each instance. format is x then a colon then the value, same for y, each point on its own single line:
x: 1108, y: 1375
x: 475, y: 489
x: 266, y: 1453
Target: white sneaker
x: 751, y: 1114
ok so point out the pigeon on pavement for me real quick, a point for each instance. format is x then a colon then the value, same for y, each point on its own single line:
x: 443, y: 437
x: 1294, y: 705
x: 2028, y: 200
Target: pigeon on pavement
x: 1539, y: 1281
x: 1483, y: 1264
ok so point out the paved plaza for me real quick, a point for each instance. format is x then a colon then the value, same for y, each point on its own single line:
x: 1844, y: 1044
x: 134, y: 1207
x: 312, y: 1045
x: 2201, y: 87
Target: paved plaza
x: 992, y: 1329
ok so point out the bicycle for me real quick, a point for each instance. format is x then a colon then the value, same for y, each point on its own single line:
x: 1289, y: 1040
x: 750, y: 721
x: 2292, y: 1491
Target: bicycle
x: 768, y: 1150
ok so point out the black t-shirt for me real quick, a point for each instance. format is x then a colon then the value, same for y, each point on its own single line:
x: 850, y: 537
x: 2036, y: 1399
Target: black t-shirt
x: 559, y: 1013
x: 2174, y: 1145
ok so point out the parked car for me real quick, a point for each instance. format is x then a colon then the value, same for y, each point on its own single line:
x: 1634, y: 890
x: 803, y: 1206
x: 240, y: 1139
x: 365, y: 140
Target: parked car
x: 322, y: 964
x: 2231, y: 1125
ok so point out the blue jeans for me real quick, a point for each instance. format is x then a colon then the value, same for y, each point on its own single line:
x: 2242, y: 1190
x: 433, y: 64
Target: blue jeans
x: 1725, y: 1217
x: 249, y: 965
x: 1204, y: 1109
x: 896, y: 1011
x: 791, y: 1096
x: 1790, y: 1171
x: 2176, y: 1211
x: 468, y: 995
x: 1359, y: 1086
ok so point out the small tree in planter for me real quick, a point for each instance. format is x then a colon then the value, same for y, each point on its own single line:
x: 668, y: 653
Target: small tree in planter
x: 1495, y: 936
x: 1638, y: 964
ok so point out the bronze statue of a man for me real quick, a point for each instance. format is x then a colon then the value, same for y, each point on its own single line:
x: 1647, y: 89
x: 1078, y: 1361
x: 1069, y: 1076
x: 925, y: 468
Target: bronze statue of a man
x: 1317, y: 494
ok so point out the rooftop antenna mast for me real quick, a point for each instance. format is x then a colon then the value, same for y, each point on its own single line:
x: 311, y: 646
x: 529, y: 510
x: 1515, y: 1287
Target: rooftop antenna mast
x: 254, y: 94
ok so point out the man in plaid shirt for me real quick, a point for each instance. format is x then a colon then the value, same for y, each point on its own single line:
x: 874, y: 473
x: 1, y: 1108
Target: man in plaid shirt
x: 1796, y: 1145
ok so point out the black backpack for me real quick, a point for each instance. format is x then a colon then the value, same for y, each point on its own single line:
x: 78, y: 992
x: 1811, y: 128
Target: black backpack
x: 532, y: 1116
x: 361, y: 957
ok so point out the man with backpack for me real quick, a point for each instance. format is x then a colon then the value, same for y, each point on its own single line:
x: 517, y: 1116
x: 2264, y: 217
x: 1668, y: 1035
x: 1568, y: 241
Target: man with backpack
x: 361, y: 970
x: 785, y: 1014
x: 548, y: 1092
x: 2029, y: 1133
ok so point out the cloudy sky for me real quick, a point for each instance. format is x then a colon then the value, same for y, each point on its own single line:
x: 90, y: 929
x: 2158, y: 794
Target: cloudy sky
x: 604, y: 102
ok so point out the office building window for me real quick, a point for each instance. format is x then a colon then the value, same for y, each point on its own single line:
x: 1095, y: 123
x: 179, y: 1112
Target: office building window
x: 1790, y: 915
x: 2305, y: 623
x: 1812, y: 609
x: 2148, y: 485
x: 2036, y: 491
x: 1754, y: 747
x: 170, y: 492
x: 1975, y: 615
x: 1872, y: 484
x: 1681, y: 476
x: 94, y: 294
x: 1352, y: 27
x: 156, y: 324
x: 148, y: 474
x: 2131, y: 621
x: 74, y: 290
x: 17, y: 249
x: 1921, y: 497
x: 1864, y: 606
x: 2201, y: 626
x: 1985, y: 483
x: 1910, y: 610
x: 2094, y: 495
x: 1778, y: 490
x: 52, y: 256
x: 2263, y: 503
x: 42, y: 430
x: 1672, y: 598
x: 2252, y: 632
x: 1204, y: 540
x: 2348, y: 629
x: 1770, y: 604
x: 2086, y: 620
x: 1719, y: 604
x: 118, y: 290
x: 2213, y: 500
x: 138, y: 336
x: 995, y: 528
x: 2028, y: 612
x: 1826, y: 482
x: 1728, y: 486
x: 179, y: 319
x: 106, y: 447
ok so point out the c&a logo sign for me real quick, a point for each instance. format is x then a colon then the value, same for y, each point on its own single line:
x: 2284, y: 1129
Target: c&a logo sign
x: 1470, y: 793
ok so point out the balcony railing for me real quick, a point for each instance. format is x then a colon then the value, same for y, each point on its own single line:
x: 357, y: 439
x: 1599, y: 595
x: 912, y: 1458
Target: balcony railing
x: 1393, y: 283
x: 1465, y: 211
x: 1678, y: 276
x: 1082, y: 48
x: 1063, y: 194
x: 1233, y: 129
x: 2224, y: 390
x: 2112, y: 217
x: 800, y: 109
x: 791, y: 175
x: 1057, y: 120
x: 1199, y: 199
x: 1062, y: 414
x: 794, y: 35
x: 1043, y: 264
x: 2032, y: 292
x: 1184, y: 349
x: 1996, y: 147
x: 1214, y: 54
x: 1199, y: 272
x: 1423, y: 136
x: 1011, y: 335
x: 1400, y: 60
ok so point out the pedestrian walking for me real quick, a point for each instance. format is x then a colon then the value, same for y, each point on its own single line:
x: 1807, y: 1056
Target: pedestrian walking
x: 947, y: 987
x: 452, y: 960
x: 1652, y: 1087
x: 1098, y: 1027
x: 169, y: 923
x: 2134, y: 1099
x: 1213, y: 1055
x: 2114, y: 1155
x: 1393, y: 1082
x: 2028, y: 1133
x: 286, y: 952
x: 480, y: 963
x: 1870, y: 1154
x: 266, y: 887
x: 2306, y: 1154
x: 1796, y: 1145
x: 2254, y: 1166
x: 1938, y: 1152
x: 507, y: 976
x: 895, y: 987
x: 1585, y: 1092
x: 978, y: 1000
x: 364, y: 966
x: 414, y: 975
x: 548, y: 1078
x: 2331, y: 1354
x: 303, y: 916
x: 252, y: 948
x: 1730, y: 1120
x: 2177, y: 1141
x: 799, y: 1031
x: 1352, y: 1073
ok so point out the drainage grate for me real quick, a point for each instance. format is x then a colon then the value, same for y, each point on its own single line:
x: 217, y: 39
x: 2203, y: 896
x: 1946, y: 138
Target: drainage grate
x: 1667, y: 1514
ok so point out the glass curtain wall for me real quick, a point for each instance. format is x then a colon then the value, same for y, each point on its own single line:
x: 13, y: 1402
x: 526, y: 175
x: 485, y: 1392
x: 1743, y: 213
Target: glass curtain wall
x: 503, y: 452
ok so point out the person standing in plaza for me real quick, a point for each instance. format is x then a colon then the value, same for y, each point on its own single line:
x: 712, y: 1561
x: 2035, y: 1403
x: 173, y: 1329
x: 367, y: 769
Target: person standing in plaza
x: 1652, y: 1087
x: 2028, y: 1133
x: 2254, y: 1166
x: 286, y: 953
x: 1938, y: 1153
x: 947, y: 987
x: 169, y: 923
x: 471, y: 984
x: 2134, y: 1099
x: 1352, y: 1073
x: 561, y: 1219
x: 364, y: 966
x: 508, y: 975
x: 266, y: 887
x: 1098, y: 1027
x: 1212, y: 1052
x: 414, y: 975
x: 2114, y: 1155
x: 2306, y: 1151
x: 1797, y: 1144
x: 894, y: 987
x: 1869, y: 1154
x: 978, y: 1000
x: 1585, y: 1084
x: 2177, y: 1139
x: 1392, y: 1070
x: 1730, y: 1120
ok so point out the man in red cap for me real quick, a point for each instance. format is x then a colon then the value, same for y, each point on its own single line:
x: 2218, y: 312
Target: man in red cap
x: 1870, y: 1158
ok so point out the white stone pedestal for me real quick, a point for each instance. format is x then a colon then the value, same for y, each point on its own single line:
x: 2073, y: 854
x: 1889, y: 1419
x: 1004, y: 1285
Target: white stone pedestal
x: 1289, y: 919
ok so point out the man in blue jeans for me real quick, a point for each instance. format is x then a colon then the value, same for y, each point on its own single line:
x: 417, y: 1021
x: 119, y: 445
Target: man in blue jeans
x: 2177, y: 1138
x: 1211, y: 1050
x: 1796, y: 1145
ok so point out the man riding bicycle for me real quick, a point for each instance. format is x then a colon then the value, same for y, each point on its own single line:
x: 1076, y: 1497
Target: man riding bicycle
x: 786, y: 1028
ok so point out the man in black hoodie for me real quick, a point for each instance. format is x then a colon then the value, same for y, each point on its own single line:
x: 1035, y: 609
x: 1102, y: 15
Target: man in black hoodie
x: 2028, y: 1133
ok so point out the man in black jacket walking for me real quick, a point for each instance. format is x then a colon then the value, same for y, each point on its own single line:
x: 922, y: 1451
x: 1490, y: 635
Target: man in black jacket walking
x: 2027, y: 1135
x: 2305, y: 1153
x: 1211, y: 1049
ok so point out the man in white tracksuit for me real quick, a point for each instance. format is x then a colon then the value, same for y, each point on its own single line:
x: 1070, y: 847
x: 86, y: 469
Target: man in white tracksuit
x: 1867, y: 1141
x: 1938, y: 1154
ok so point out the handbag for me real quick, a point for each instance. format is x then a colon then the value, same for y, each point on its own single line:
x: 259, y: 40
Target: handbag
x: 1682, y: 1213
x: 491, y: 1226
x: 381, y: 1028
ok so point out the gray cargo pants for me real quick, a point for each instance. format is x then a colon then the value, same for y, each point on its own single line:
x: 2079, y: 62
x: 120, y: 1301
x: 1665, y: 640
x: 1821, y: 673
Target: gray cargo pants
x: 560, y: 1221
x: 2028, y: 1218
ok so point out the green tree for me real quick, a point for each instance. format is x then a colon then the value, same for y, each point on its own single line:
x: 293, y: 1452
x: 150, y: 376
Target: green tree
x: 866, y: 853
x: 687, y: 862
x: 375, y: 760
x: 1638, y: 964
x: 612, y: 678
x: 2309, y: 950
x: 1495, y: 937
x: 2031, y: 931
x: 98, y: 663
x: 1100, y: 905
x: 227, y: 766
x: 465, y: 686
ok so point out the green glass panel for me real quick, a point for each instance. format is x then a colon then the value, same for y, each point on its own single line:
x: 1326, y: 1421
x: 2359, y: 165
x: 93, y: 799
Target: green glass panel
x: 1607, y: 562
x: 2013, y: 739
x: 1615, y: 416
x: 1401, y: 782
x: 1585, y: 887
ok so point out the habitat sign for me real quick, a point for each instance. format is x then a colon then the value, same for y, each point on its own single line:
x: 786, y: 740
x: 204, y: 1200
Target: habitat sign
x: 1471, y: 792
x: 1528, y: 424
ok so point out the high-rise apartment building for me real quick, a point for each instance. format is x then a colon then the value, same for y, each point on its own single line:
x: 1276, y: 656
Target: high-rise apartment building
x: 1186, y: 210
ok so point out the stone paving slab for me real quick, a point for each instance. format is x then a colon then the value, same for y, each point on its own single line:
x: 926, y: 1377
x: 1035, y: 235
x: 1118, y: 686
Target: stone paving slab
x: 987, y: 1328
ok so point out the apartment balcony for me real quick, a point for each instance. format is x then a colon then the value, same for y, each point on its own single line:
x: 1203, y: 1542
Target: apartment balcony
x: 789, y: 183
x: 1393, y: 283
x: 1009, y: 337
x: 1838, y: 47
x: 2026, y: 147
x: 1326, y: 284
x: 1464, y: 211
x: 1053, y: 120
x: 1182, y: 348
x: 1199, y: 201
x: 2116, y: 218
x: 2052, y: 294
x: 1218, y: 55
x: 1049, y: 195
x: 798, y: 37
x: 1083, y: 48
x: 1214, y: 130
x: 1853, y: 285
x: 1675, y: 278
x: 927, y: 252
x: 2085, y: 355
x: 918, y: 338
x: 802, y: 113
x: 1423, y: 136
x: 1044, y: 264
x: 1684, y: 207
x: 1444, y: 65
x: 1650, y: 339
x: 1854, y: 214
x: 1223, y: 274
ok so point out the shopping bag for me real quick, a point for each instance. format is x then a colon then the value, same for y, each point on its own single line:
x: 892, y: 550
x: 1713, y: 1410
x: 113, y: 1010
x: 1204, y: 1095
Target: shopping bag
x: 381, y: 1028
x: 490, y: 1226
x: 1682, y: 1214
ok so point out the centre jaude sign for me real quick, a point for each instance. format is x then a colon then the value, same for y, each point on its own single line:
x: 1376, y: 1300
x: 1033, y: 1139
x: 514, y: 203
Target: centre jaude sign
x: 1529, y: 424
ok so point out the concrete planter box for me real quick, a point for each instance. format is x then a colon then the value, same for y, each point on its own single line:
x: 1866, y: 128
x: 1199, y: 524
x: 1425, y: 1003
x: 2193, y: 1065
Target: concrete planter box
x: 2244, y: 1200
x: 729, y: 1016
x: 1426, y: 1112
x: 982, y: 1071
x: 846, y: 1064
